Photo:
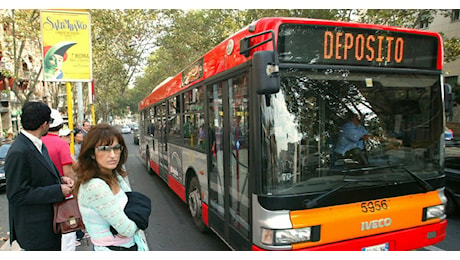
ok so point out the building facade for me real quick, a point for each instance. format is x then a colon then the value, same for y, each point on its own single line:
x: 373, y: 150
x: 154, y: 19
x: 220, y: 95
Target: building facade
x: 449, y: 25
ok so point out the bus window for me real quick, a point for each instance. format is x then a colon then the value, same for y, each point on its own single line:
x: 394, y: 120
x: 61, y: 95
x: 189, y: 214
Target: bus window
x: 194, y: 128
x: 174, y: 124
x: 239, y: 159
x: 301, y: 134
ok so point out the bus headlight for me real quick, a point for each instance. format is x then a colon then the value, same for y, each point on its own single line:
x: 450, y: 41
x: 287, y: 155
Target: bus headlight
x: 432, y: 212
x: 289, y: 236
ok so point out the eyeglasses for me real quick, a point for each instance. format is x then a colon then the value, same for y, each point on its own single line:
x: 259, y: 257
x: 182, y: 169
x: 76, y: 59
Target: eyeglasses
x: 106, y: 149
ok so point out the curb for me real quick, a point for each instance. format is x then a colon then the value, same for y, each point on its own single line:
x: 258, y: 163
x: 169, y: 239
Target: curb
x: 14, y: 247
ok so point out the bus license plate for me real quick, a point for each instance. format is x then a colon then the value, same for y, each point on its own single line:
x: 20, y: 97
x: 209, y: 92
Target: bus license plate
x: 381, y: 247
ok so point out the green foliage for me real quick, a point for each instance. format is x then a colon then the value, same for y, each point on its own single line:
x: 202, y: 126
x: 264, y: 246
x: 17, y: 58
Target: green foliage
x: 451, y: 48
x: 187, y: 35
x: 143, y: 47
x: 409, y: 18
x: 121, y: 40
x: 21, y: 31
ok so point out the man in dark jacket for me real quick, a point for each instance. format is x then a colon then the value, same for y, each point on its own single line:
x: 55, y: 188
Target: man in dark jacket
x: 33, y: 183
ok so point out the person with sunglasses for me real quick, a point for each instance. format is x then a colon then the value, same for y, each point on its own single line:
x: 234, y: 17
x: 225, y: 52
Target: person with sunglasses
x: 102, y: 191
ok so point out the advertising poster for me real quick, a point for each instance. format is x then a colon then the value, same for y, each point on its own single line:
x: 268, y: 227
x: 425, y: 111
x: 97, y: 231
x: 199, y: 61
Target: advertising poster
x: 66, y: 41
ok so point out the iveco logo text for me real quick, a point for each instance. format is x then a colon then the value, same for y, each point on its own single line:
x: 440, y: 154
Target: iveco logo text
x: 374, y: 224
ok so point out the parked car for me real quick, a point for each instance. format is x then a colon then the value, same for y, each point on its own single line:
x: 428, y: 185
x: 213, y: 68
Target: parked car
x: 136, y: 135
x: 126, y: 130
x: 134, y: 127
x: 3, y: 152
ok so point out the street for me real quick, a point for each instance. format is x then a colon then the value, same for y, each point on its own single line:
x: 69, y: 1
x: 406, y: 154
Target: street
x: 171, y: 227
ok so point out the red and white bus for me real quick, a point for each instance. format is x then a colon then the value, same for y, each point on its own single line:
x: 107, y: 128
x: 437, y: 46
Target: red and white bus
x: 247, y: 137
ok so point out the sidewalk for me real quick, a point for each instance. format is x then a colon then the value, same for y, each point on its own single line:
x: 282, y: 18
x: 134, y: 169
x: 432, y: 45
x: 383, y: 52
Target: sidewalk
x: 6, y: 246
x: 86, y: 245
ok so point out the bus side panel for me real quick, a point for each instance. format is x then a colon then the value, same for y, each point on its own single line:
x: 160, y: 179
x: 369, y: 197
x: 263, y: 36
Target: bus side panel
x: 194, y: 161
x: 154, y: 156
x: 155, y: 167
x: 205, y: 212
x: 185, y: 163
x: 177, y: 187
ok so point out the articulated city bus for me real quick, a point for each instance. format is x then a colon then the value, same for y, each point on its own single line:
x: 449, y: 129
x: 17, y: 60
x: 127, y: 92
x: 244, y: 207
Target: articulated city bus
x: 247, y: 136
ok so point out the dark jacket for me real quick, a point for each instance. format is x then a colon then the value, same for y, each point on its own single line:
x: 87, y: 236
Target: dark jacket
x: 137, y: 209
x: 33, y: 185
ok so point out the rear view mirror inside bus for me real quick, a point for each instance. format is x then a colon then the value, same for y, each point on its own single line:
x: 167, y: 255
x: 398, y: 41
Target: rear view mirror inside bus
x: 265, y: 73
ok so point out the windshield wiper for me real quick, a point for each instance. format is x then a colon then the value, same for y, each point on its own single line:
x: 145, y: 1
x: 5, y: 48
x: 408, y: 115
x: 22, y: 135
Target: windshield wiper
x: 316, y: 201
x: 421, y: 182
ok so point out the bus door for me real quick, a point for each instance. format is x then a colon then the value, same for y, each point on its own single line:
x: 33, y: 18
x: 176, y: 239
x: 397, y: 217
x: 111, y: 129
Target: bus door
x: 163, y: 143
x: 228, y: 157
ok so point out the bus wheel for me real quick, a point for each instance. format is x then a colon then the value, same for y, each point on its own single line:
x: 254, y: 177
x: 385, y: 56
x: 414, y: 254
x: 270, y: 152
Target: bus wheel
x: 194, y: 203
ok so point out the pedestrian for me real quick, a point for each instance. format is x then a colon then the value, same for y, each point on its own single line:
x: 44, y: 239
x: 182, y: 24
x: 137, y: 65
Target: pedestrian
x: 64, y: 134
x: 86, y: 127
x: 34, y: 183
x: 78, y: 134
x: 59, y: 151
x: 77, y: 146
x: 103, y: 192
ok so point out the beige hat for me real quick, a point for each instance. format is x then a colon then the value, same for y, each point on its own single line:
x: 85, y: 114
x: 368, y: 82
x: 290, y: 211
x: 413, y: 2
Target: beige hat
x: 64, y: 132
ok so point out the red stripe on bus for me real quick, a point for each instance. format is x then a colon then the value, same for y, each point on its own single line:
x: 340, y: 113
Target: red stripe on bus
x: 402, y: 240
x: 155, y: 167
x: 204, y: 212
x: 177, y: 187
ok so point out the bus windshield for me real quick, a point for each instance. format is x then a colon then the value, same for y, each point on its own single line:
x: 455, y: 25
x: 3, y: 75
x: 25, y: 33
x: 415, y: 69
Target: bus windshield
x: 305, y: 145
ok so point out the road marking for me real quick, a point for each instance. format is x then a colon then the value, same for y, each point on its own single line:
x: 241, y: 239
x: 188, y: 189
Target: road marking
x: 433, y: 248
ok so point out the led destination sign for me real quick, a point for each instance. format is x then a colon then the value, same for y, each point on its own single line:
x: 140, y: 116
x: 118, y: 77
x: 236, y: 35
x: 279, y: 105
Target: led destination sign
x: 342, y: 46
x: 314, y: 44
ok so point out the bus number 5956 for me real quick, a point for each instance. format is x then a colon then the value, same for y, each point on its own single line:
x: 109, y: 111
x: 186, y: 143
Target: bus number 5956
x: 373, y: 206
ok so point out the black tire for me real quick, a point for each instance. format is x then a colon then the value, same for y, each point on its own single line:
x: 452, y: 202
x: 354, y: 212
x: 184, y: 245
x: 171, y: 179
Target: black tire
x: 194, y: 204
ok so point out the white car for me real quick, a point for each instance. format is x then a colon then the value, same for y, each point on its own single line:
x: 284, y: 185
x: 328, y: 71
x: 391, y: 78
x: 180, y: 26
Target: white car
x: 126, y: 130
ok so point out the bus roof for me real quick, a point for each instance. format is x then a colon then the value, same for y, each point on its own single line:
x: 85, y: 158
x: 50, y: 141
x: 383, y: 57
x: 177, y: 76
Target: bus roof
x: 227, y: 55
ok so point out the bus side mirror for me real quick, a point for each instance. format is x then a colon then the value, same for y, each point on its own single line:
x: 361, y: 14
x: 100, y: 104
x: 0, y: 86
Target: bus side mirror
x: 265, y: 72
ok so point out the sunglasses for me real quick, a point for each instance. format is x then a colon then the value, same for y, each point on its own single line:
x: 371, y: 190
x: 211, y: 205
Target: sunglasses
x: 106, y: 149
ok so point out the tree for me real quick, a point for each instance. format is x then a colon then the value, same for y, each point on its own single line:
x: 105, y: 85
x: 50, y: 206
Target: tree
x: 179, y: 44
x: 22, y: 32
x: 121, y: 41
x: 408, y: 18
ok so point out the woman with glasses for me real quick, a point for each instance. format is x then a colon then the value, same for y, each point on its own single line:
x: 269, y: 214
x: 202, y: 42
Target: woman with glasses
x: 103, y: 193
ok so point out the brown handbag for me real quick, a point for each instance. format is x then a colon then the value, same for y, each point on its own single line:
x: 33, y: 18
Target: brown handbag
x: 67, y: 217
